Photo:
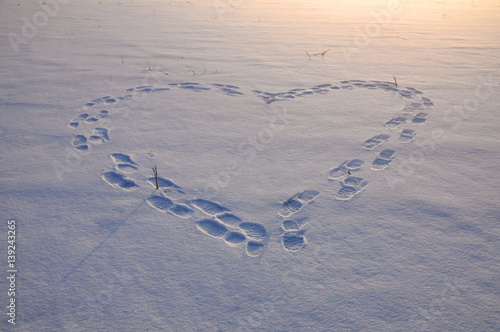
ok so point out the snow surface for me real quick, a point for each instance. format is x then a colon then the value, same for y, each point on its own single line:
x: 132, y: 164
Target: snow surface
x: 300, y: 188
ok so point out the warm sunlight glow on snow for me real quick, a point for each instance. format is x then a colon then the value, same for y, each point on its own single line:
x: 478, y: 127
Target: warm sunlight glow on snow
x: 250, y: 165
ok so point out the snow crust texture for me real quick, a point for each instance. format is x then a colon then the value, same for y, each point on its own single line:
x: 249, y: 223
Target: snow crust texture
x: 216, y: 220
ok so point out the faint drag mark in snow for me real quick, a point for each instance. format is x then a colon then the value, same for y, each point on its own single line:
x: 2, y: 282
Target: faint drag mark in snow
x: 84, y: 259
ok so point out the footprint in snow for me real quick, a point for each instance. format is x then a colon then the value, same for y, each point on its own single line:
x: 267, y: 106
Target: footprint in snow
x: 375, y: 141
x: 346, y: 168
x: 293, y: 238
x: 350, y: 187
x: 420, y: 118
x: 407, y: 135
x: 384, y: 158
x: 219, y: 221
x: 217, y: 229
x: 297, y: 202
x: 229, y: 227
x: 97, y: 135
x: 395, y: 122
x: 228, y: 89
x: 123, y: 165
x: 116, y: 179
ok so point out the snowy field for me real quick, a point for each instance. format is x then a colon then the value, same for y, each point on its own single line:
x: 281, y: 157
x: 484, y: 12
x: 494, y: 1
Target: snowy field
x: 322, y: 165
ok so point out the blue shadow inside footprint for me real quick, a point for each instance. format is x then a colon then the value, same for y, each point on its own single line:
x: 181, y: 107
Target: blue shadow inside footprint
x: 208, y: 207
x: 235, y: 238
x: 211, y: 227
x: 254, y: 230
x: 292, y: 241
x: 159, y: 202
x: 122, y: 158
x: 229, y: 219
x: 254, y: 248
x: 181, y: 210
x: 118, y: 180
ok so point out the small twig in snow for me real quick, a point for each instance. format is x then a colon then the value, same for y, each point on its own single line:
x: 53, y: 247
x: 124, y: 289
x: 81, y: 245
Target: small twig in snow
x: 155, y: 172
x: 194, y: 73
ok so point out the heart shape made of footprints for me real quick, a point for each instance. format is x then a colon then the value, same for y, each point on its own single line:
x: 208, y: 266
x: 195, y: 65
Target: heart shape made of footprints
x: 94, y: 125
